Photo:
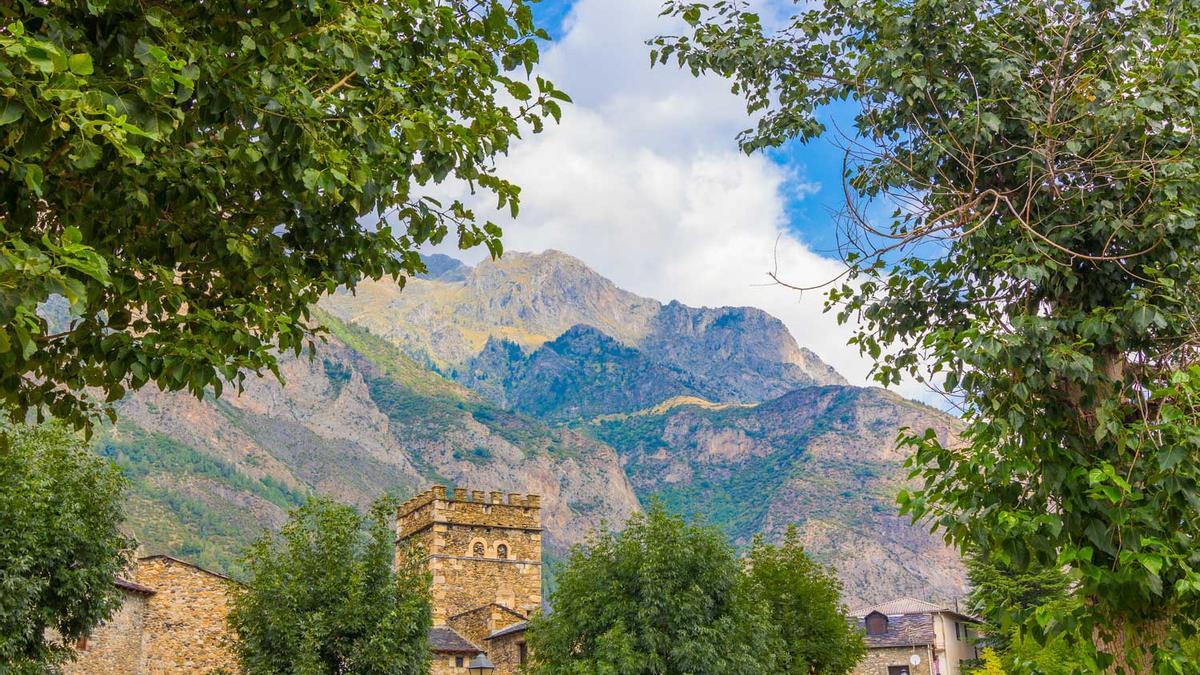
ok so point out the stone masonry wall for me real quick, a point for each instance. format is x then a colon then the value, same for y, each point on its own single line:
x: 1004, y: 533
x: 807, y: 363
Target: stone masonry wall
x: 185, y: 629
x: 505, y: 653
x: 444, y: 664
x: 114, y: 647
x: 876, y: 661
x: 481, y: 548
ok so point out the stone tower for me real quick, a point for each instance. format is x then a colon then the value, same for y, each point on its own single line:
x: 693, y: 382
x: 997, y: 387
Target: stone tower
x: 481, y: 549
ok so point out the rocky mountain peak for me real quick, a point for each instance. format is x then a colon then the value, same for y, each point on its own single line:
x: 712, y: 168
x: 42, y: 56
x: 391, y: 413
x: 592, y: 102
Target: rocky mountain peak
x: 529, y: 299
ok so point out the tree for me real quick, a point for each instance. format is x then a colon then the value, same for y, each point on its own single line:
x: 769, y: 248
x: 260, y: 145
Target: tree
x: 991, y: 664
x: 661, y: 597
x: 61, y: 546
x: 1040, y: 263
x: 1010, y: 601
x: 1006, y: 598
x: 324, y: 597
x: 805, y: 606
x: 192, y: 176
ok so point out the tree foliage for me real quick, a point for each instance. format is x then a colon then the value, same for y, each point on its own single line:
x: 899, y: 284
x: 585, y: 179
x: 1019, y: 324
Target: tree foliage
x: 1005, y: 598
x: 1010, y: 602
x: 805, y: 603
x: 61, y: 546
x: 323, y: 597
x: 191, y: 176
x: 1040, y: 265
x: 661, y: 597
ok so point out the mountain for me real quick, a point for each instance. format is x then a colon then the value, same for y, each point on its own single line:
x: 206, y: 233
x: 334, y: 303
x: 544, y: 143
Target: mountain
x: 533, y: 373
x: 355, y: 420
x: 581, y: 373
x: 822, y: 458
x: 736, y: 353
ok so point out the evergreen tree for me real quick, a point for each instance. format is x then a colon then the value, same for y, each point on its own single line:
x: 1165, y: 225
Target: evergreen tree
x: 1006, y: 597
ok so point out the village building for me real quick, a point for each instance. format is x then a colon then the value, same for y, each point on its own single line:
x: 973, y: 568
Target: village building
x: 483, y: 553
x: 914, y: 637
x: 172, y: 620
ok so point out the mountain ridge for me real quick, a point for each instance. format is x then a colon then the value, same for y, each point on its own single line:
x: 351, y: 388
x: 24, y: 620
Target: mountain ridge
x: 530, y: 299
x: 535, y: 374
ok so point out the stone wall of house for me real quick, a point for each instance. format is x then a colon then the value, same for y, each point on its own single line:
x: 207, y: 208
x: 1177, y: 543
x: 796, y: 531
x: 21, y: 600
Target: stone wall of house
x: 474, y: 625
x: 446, y: 664
x: 508, y: 653
x: 185, y: 630
x: 481, y: 548
x: 477, y: 624
x: 114, y: 647
x: 877, y: 661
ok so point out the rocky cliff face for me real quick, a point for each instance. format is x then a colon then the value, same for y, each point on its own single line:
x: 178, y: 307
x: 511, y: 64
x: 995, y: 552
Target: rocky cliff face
x: 535, y: 374
x: 356, y: 421
x: 446, y: 320
x: 820, y: 458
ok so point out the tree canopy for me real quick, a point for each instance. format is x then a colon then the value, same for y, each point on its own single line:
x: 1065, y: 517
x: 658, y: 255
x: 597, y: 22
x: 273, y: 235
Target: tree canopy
x: 1039, y: 160
x: 191, y: 176
x: 661, y: 597
x: 323, y: 597
x: 805, y: 603
x: 61, y: 548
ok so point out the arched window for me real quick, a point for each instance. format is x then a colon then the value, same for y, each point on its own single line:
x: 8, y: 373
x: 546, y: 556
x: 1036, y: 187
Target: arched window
x: 478, y: 549
x: 502, y: 552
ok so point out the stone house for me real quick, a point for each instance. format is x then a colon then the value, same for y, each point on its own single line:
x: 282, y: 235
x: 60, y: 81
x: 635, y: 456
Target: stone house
x: 172, y: 620
x: 484, y: 555
x: 914, y: 637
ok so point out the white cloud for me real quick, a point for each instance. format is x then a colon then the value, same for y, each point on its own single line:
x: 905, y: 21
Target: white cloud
x: 643, y: 181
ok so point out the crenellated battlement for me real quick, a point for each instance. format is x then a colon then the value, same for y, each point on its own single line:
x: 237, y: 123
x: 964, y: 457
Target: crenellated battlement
x: 466, y: 507
x: 467, y: 495
x: 480, y: 547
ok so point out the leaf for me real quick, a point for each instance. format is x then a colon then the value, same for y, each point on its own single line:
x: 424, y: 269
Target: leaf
x: 10, y: 112
x: 80, y: 64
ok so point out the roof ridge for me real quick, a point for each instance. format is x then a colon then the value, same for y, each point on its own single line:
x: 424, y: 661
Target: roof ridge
x: 172, y: 558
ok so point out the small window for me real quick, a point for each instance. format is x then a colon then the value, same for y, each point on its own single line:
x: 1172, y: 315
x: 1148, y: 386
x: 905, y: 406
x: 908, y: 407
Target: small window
x: 958, y: 631
x: 458, y: 662
x: 478, y: 549
x: 522, y: 653
x: 877, y: 623
x: 502, y: 552
x: 81, y: 643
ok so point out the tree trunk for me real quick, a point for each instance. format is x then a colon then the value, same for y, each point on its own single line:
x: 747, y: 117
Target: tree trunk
x: 1133, y: 644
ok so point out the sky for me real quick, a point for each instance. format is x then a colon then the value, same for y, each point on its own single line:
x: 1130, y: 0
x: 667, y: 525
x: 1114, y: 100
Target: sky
x: 644, y: 182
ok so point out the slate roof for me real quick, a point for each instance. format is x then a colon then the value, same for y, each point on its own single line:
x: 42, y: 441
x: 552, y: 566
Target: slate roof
x: 508, y: 630
x: 510, y: 610
x: 446, y: 640
x: 130, y: 586
x: 907, y: 630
